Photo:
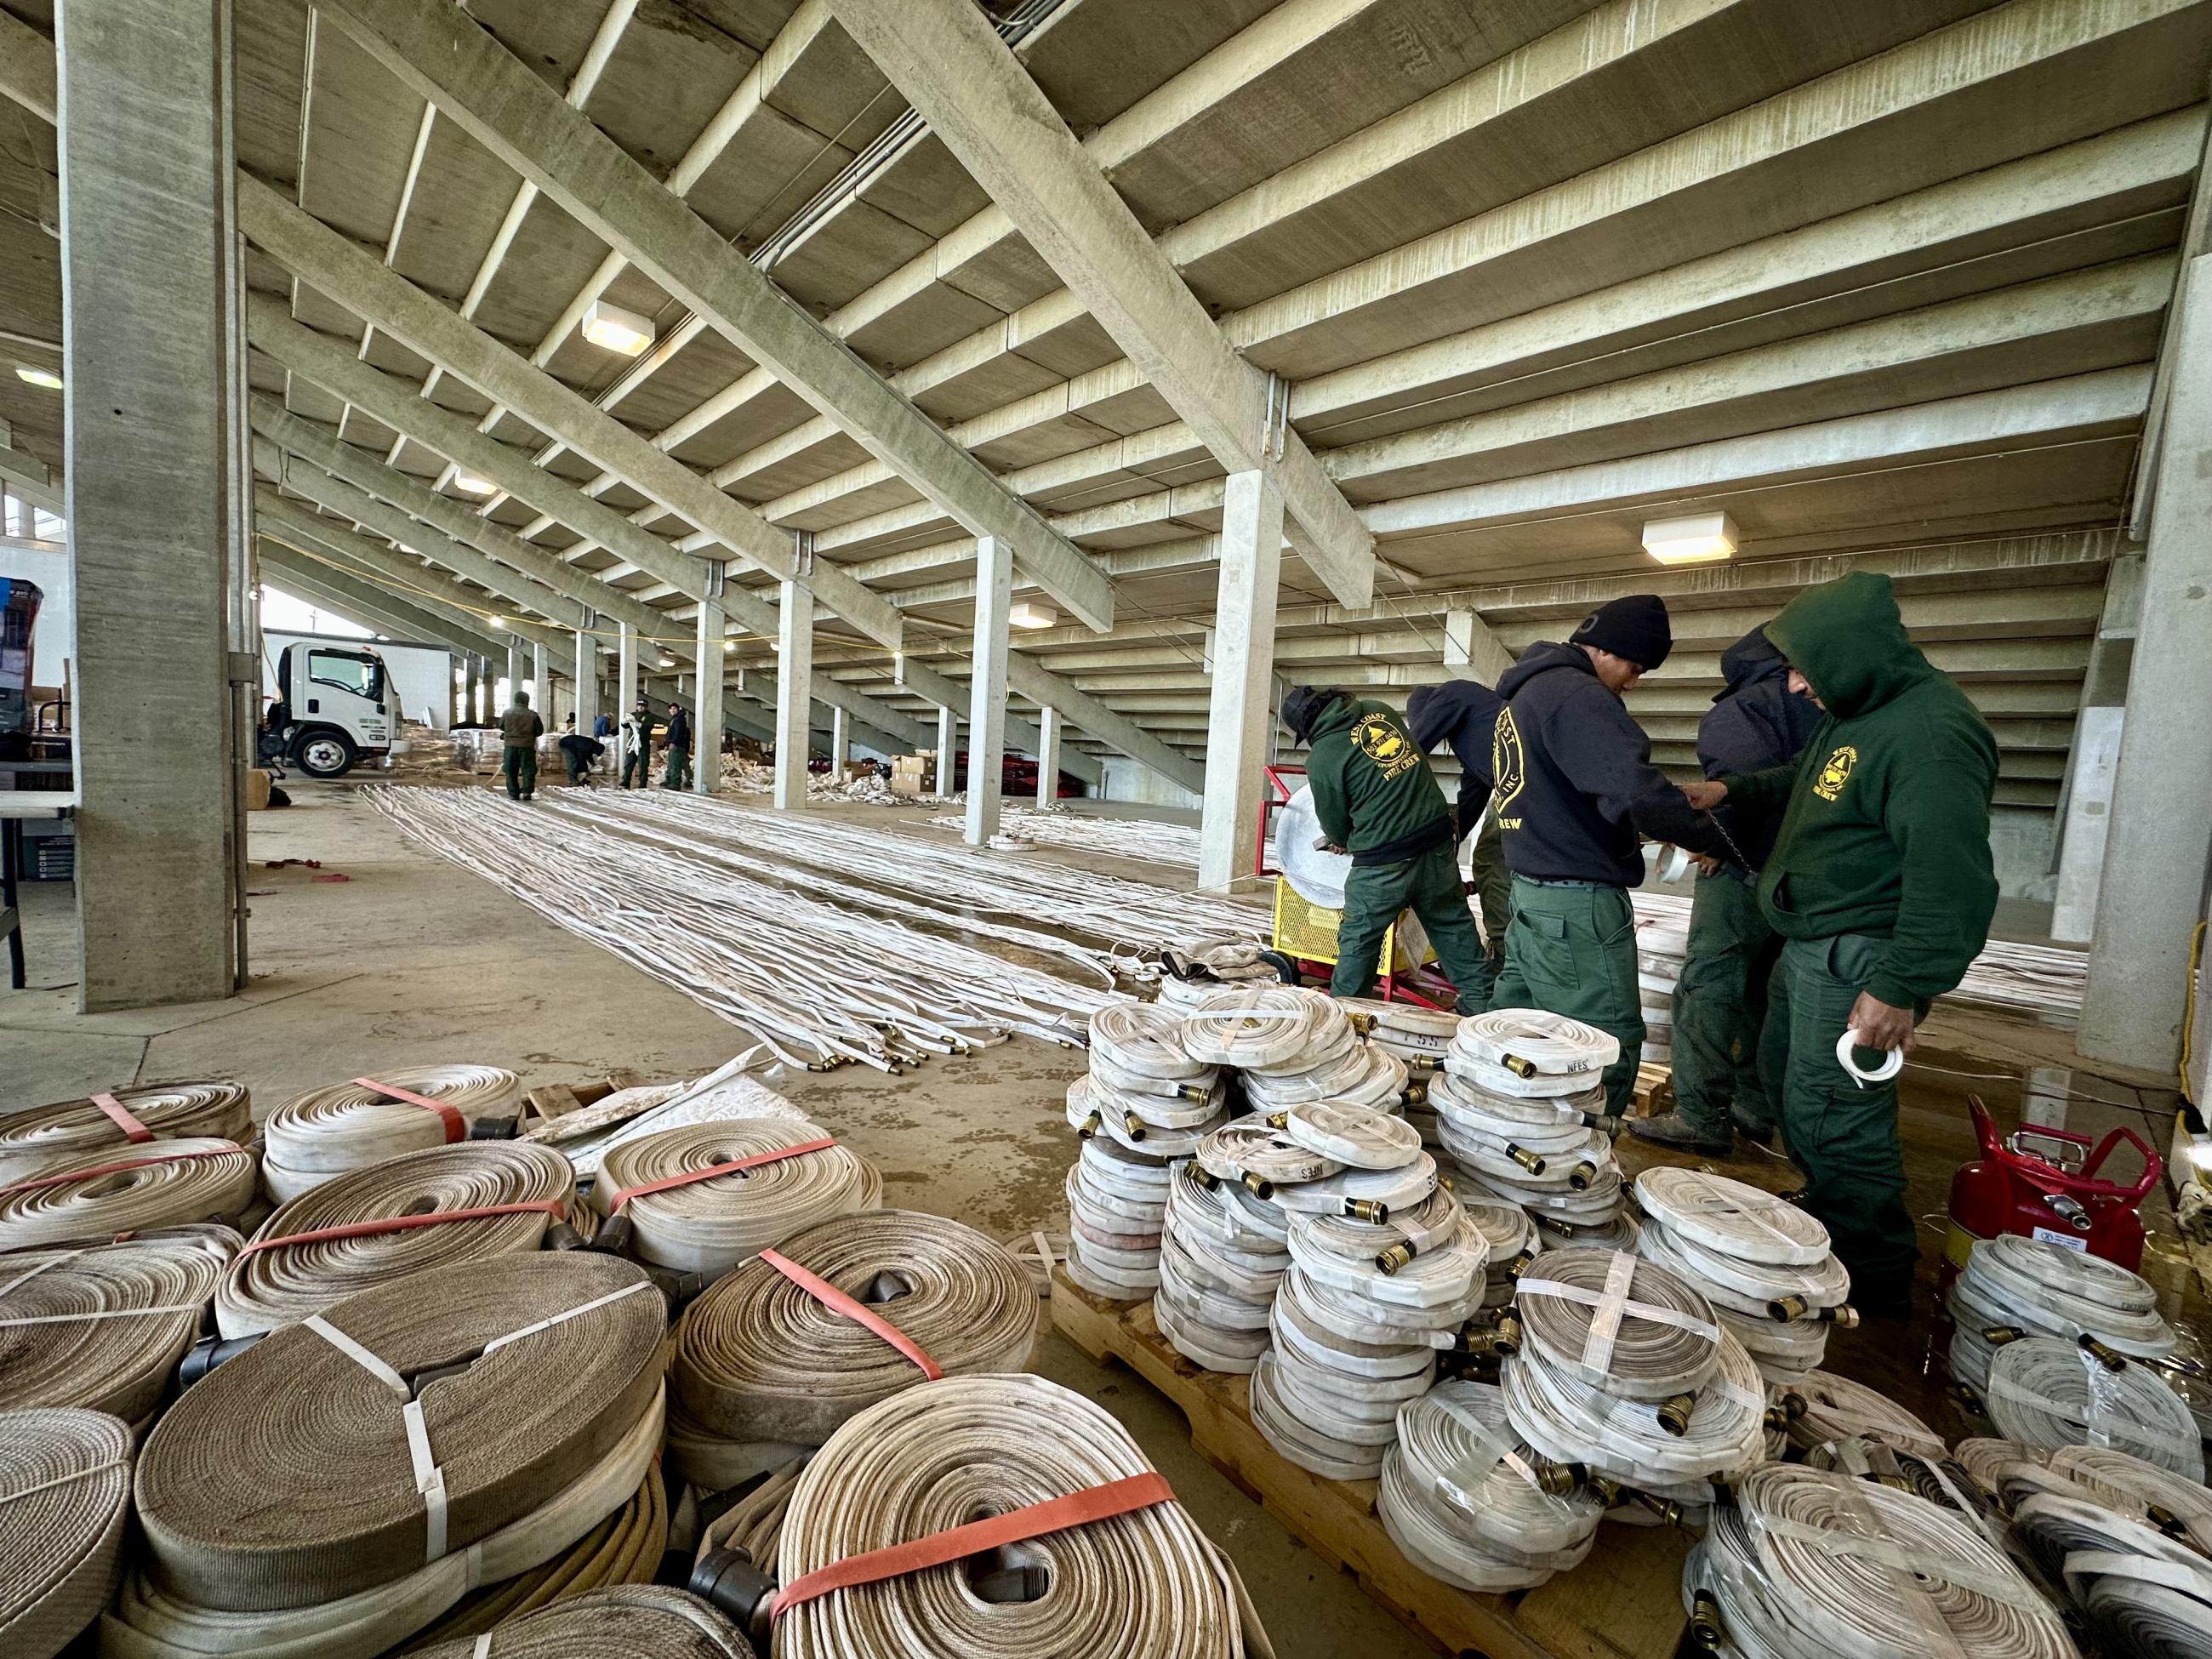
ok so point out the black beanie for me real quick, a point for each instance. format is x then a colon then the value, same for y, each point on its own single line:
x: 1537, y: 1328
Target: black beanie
x: 1633, y: 628
x: 1302, y: 707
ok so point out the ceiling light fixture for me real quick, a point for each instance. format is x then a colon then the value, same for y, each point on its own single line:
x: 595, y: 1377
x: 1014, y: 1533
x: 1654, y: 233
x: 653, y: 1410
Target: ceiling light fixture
x: 45, y: 377
x: 1702, y: 538
x: 617, y: 330
x: 1028, y: 613
x: 470, y: 483
x: 668, y: 662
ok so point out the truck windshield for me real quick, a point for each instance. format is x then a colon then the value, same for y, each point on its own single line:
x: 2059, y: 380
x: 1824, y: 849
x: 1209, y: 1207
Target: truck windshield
x: 348, y: 670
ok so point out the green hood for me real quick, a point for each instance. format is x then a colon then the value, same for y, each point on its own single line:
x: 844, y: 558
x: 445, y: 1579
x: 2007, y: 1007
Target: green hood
x: 1342, y: 709
x: 1847, y: 639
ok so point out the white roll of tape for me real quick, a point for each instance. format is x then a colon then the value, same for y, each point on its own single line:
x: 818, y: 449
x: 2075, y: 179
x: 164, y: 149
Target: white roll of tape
x: 1890, y: 1066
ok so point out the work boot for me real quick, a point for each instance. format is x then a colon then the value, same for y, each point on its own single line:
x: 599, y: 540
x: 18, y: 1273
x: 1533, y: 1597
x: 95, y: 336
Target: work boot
x: 1676, y: 1131
x: 1753, y: 1129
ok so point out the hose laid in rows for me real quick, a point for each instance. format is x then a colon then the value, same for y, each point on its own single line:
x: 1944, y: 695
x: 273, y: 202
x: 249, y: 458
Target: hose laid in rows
x: 774, y: 1178
x: 98, y: 1195
x: 760, y: 1357
x: 1469, y: 1501
x: 2147, y: 1595
x: 638, y: 1621
x: 348, y: 1125
x: 1143, y: 1584
x: 325, y: 1245
x: 35, y: 1139
x: 333, y: 1457
x: 2128, y: 1485
x: 1807, y: 1563
x: 103, y: 1326
x: 65, y: 1497
x: 625, y: 1548
x: 2046, y: 1392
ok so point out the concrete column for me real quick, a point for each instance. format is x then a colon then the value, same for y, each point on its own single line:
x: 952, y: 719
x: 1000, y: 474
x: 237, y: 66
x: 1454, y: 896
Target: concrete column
x: 707, y: 698
x: 948, y: 750
x: 541, y: 684
x: 2156, y: 849
x: 1241, y: 720
x: 841, y: 742
x: 987, y: 690
x: 794, y: 694
x: 514, y: 673
x: 149, y: 289
x: 625, y: 670
x: 1048, y: 754
x: 587, y: 677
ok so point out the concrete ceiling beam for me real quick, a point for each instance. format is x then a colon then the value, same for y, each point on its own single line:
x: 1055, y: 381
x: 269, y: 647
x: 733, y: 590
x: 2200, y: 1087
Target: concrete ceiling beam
x: 944, y: 692
x: 28, y: 72
x: 447, y: 58
x: 368, y: 605
x: 1028, y: 678
x: 949, y: 61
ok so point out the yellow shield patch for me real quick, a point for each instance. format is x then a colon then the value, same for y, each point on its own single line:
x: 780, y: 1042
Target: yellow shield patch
x: 1385, y: 744
x: 1505, y: 767
x: 1835, y: 773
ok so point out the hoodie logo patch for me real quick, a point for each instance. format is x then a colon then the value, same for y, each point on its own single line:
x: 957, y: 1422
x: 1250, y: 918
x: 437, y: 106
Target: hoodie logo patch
x: 1835, y: 773
x: 1385, y: 744
x: 1505, y: 767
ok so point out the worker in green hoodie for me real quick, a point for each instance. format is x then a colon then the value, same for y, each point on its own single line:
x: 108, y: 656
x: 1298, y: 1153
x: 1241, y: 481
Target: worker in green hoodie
x: 1881, y: 886
x: 1375, y: 798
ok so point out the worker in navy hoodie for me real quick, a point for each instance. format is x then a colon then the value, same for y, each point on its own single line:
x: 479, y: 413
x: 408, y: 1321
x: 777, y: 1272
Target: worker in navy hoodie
x: 1464, y: 713
x: 1720, y: 1001
x: 1574, y: 789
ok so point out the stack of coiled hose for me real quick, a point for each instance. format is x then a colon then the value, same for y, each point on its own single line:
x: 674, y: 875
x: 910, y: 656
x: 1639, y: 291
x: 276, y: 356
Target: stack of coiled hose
x: 1509, y: 1237
x: 103, y: 1326
x: 637, y: 1621
x: 2146, y: 1595
x: 1117, y: 1203
x: 407, y: 1215
x: 2046, y: 1392
x: 1222, y: 1252
x: 408, y: 1108
x: 98, y: 1195
x: 768, y: 1365
x: 35, y: 1139
x: 1763, y: 1263
x: 2015, y: 1287
x: 2011, y: 1472
x: 65, y: 1497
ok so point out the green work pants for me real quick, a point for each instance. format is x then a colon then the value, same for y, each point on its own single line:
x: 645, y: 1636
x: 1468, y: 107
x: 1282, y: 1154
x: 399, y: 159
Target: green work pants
x: 1571, y: 949
x: 1429, y: 886
x: 1494, y: 885
x: 678, y: 773
x: 519, y: 766
x: 1719, y: 1007
x: 1842, y: 1136
x: 638, y: 761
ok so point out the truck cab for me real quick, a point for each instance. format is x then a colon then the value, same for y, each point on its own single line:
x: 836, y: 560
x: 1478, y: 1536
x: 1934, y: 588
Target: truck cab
x: 332, y: 709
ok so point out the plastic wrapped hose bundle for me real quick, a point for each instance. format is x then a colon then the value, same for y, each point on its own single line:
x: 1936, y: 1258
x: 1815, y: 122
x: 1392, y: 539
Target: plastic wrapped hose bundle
x: 1623, y: 1370
x: 2049, y: 1392
x: 2147, y: 1595
x: 1512, y: 1243
x: 1808, y: 1564
x: 1117, y: 1203
x: 2013, y: 1472
x: 1551, y: 1156
x: 36, y: 1139
x: 1222, y: 1252
x: 1469, y: 1501
x: 98, y: 1195
x: 2014, y: 1285
x: 1826, y: 1410
x: 762, y: 1357
x: 408, y: 1108
x: 1525, y: 1051
x: 1763, y: 1263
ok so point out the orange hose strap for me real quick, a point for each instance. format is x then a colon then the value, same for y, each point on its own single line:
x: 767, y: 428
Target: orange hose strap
x: 624, y: 1195
x: 136, y: 1132
x: 401, y: 1224
x: 457, y: 1127
x: 838, y: 1303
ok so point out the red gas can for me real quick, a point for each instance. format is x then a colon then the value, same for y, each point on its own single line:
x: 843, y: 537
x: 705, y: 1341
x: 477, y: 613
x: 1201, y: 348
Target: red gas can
x: 2045, y: 1183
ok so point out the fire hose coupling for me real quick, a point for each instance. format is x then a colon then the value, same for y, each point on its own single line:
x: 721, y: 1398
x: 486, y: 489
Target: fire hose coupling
x: 1092, y: 1124
x: 1582, y: 1174
x: 1279, y: 1121
x: 2110, y: 1357
x: 1997, y: 1336
x: 2167, y: 1522
x: 1398, y: 1255
x: 1133, y: 1125
x: 1201, y: 1178
x: 1705, y: 1622
x: 211, y: 1352
x: 1362, y: 1022
x: 1517, y: 1066
x: 1259, y: 1186
x: 1416, y: 1094
x: 1675, y: 1413
x: 730, y: 1580
x: 1373, y: 1211
x: 1192, y: 1091
x: 1556, y: 1479
x: 1519, y: 1265
x: 1526, y: 1159
x: 1499, y: 1342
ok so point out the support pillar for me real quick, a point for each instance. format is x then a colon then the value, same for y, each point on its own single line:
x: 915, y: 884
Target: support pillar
x: 794, y: 694
x: 514, y: 674
x: 154, y: 372
x: 541, y: 685
x: 1047, y: 756
x: 587, y: 677
x: 1242, y: 718
x: 626, y: 681
x: 841, y: 742
x: 2152, y: 896
x: 948, y: 750
x: 987, y: 705
x: 707, y: 692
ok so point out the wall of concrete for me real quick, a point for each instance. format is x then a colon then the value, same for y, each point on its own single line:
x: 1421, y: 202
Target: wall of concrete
x: 1126, y: 780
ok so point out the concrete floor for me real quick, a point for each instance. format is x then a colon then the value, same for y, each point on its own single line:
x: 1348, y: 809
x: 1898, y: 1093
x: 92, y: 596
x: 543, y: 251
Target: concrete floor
x: 412, y: 957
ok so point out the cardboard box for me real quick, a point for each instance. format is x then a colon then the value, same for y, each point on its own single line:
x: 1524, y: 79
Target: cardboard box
x: 257, y: 789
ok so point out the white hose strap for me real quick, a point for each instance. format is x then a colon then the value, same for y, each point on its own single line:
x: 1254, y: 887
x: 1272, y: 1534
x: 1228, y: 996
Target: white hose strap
x: 2095, y: 1415
x: 98, y: 1313
x: 483, y: 1647
x: 498, y: 1342
x: 69, y: 1479
x: 429, y: 1479
x: 360, y: 1356
x: 1471, y: 1476
x: 2110, y: 1564
x: 1890, y: 1066
x: 1613, y: 1305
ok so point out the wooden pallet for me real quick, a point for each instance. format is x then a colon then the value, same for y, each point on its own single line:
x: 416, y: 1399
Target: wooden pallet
x: 1625, y: 1602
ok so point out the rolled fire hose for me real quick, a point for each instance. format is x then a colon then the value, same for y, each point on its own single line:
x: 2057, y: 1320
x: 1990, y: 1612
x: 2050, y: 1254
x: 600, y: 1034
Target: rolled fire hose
x: 1117, y: 1200
x: 1144, y: 1038
x: 1549, y: 1043
x: 1807, y: 1563
x: 2047, y: 1392
x: 1267, y: 1027
x: 98, y: 1195
x: 625, y: 1548
x: 755, y: 1523
x: 103, y: 1326
x: 1627, y: 1327
x: 2062, y: 1292
x: 1143, y: 1584
x: 637, y: 1621
x: 2126, y: 1484
x: 1358, y: 1137
x: 65, y: 1497
x: 1732, y: 1218
x: 333, y: 1457
x: 1512, y: 1242
x: 326, y: 1244
x: 2147, y: 1595
x: 1253, y: 1152
x: 761, y: 1355
x: 1222, y: 1252
x: 774, y: 1179
x: 1469, y: 1501
x: 1362, y: 1075
x: 35, y: 1139
x: 1144, y: 1123
x: 1444, y: 1255
x: 347, y: 1125
x: 1835, y: 1409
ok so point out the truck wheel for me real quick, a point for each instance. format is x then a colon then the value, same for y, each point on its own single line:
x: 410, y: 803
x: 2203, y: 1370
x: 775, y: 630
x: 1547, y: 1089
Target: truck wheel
x: 326, y: 755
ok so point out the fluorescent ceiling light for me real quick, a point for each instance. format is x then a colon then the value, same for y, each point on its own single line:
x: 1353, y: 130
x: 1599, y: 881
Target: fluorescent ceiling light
x: 668, y: 662
x: 499, y: 621
x: 470, y: 483
x: 1702, y: 538
x: 728, y: 645
x: 45, y: 377
x: 617, y: 330
x: 1028, y: 613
